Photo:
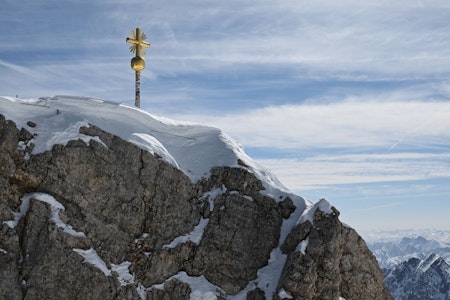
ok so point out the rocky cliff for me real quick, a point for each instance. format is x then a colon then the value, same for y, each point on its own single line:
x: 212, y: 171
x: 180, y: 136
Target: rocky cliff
x: 105, y: 219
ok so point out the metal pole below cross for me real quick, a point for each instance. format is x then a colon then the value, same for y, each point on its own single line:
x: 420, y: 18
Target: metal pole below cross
x: 137, y: 101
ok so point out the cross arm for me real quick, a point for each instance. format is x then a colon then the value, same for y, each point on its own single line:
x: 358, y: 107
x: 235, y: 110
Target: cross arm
x: 139, y: 43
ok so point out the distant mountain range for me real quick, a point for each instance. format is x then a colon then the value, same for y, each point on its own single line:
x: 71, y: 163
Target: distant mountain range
x: 420, y: 279
x: 391, y: 253
x: 415, y: 267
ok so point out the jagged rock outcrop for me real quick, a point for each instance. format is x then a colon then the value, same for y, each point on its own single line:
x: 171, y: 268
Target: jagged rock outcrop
x: 345, y: 264
x: 244, y: 227
x: 109, y: 220
x: 113, y: 193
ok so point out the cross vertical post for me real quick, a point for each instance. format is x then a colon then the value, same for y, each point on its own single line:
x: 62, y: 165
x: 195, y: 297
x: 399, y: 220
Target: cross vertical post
x: 138, y: 62
x: 137, y: 99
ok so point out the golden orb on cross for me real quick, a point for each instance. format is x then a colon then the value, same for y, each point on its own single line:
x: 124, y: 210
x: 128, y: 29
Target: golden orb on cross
x: 138, y: 63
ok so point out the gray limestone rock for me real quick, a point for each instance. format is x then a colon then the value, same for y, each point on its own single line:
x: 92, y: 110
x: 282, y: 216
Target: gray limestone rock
x: 117, y: 205
x: 173, y: 289
x: 336, y: 262
x: 237, y: 242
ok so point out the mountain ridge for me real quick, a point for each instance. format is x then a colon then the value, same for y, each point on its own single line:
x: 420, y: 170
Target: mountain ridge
x: 62, y: 116
x: 391, y: 253
x: 101, y: 216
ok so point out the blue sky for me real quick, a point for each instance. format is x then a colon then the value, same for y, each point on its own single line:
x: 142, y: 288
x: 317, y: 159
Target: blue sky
x: 346, y: 100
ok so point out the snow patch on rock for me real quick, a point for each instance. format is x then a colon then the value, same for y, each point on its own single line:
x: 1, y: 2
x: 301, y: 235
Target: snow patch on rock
x: 55, y: 206
x: 91, y: 257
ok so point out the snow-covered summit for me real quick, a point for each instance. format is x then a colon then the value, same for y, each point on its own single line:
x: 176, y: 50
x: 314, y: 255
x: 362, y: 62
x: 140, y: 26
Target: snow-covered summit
x: 134, y: 227
x: 192, y: 148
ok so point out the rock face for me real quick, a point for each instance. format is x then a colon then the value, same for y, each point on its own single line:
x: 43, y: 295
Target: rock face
x: 336, y: 262
x: 107, y: 220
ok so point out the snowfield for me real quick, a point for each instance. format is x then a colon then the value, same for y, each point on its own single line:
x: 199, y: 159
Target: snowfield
x: 192, y: 148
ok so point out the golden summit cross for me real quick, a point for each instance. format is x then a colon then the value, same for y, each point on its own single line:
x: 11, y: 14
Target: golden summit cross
x: 138, y: 62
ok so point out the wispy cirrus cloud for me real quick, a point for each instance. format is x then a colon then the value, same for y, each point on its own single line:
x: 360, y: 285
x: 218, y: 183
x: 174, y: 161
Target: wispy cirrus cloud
x: 355, y: 123
x: 376, y: 39
x: 236, y: 42
x: 323, y: 171
x: 369, y: 138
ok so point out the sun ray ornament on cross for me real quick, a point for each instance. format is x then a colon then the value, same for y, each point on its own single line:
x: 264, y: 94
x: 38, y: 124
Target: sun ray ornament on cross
x: 138, y: 62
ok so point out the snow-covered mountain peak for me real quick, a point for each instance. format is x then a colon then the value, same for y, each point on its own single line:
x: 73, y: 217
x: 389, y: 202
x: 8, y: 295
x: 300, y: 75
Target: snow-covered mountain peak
x: 391, y: 252
x: 193, y: 148
x: 429, y: 262
x: 420, y: 279
x: 100, y: 207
